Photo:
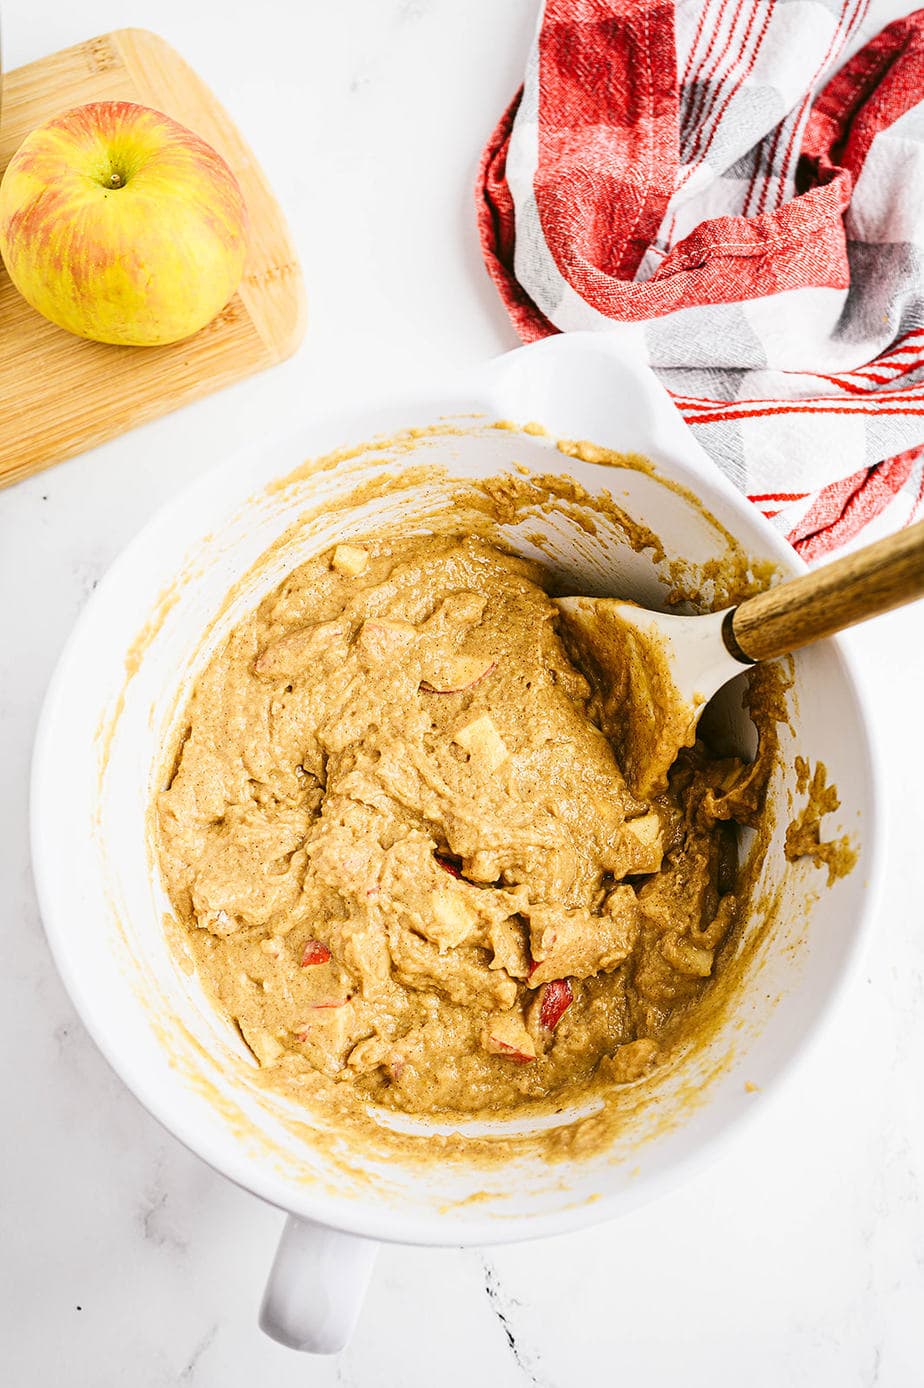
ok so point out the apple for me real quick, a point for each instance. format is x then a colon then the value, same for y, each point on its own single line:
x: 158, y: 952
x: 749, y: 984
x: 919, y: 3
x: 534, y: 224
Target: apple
x: 460, y: 673
x: 556, y: 998
x: 451, y: 919
x: 575, y: 943
x: 483, y: 742
x: 288, y: 655
x: 380, y: 640
x: 350, y: 560
x: 505, y: 1034
x: 328, y: 1006
x: 121, y: 225
x: 315, y: 953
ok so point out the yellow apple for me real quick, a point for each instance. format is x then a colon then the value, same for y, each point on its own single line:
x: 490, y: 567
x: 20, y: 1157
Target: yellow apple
x: 121, y: 225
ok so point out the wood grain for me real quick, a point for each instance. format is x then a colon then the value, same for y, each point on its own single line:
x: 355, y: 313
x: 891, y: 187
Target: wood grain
x: 872, y: 580
x: 61, y: 394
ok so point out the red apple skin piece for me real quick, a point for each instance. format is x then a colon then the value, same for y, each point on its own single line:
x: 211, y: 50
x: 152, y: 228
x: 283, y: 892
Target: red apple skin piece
x: 511, y: 1053
x: 507, y: 1036
x: 429, y: 688
x: 394, y: 1068
x: 557, y: 997
x: 315, y: 953
x: 447, y: 866
x: 326, y: 1005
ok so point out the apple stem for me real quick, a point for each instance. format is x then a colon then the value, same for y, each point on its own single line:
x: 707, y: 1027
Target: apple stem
x: 115, y: 180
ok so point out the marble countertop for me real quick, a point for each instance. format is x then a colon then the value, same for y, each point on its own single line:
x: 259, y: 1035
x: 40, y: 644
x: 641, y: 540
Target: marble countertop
x: 798, y: 1258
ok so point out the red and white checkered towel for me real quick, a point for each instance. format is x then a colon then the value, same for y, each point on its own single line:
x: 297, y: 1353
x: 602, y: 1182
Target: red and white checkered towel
x: 737, y: 188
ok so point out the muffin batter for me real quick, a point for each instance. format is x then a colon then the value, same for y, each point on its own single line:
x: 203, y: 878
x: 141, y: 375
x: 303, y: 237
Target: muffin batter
x: 403, y: 853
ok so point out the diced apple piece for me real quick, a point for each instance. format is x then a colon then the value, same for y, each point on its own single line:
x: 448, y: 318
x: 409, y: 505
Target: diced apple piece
x: 327, y: 1032
x: 549, y: 1005
x: 631, y: 1061
x: 452, y: 918
x: 464, y: 608
x: 646, y: 830
x: 363, y: 950
x: 507, y: 940
x: 458, y: 673
x: 350, y: 560
x: 374, y: 1053
x: 685, y: 957
x: 263, y: 1044
x: 219, y: 923
x: 328, y: 1017
x: 505, y: 1034
x: 576, y: 943
x: 369, y: 1054
x: 556, y: 998
x: 632, y: 845
x: 314, y: 953
x: 293, y: 651
x: 381, y: 640
x: 482, y: 866
x: 483, y: 742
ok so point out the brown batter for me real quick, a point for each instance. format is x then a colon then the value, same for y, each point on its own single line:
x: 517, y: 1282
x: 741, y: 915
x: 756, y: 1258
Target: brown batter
x: 404, y: 854
x: 803, y: 834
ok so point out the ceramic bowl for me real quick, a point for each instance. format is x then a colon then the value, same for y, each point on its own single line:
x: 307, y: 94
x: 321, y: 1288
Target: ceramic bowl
x: 100, y: 747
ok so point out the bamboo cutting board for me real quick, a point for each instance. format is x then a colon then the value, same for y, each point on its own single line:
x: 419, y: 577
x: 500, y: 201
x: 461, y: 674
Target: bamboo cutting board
x: 60, y: 394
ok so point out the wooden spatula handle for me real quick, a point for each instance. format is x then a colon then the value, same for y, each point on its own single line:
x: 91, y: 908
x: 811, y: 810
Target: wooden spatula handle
x: 859, y: 585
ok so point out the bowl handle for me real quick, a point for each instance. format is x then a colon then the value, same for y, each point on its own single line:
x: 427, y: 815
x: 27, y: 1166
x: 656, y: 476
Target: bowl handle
x: 316, y: 1287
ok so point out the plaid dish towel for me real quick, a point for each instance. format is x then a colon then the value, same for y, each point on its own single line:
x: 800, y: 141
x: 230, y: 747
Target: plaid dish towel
x: 736, y: 187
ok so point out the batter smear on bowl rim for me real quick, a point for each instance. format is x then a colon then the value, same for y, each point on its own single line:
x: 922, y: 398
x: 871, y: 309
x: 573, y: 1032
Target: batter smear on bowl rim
x: 404, y: 855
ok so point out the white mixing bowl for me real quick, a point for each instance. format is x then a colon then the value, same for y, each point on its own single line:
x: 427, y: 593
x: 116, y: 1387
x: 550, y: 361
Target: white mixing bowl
x: 101, y: 741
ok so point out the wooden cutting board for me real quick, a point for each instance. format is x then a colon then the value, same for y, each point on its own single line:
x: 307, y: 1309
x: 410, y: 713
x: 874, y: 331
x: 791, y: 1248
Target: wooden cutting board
x: 60, y: 394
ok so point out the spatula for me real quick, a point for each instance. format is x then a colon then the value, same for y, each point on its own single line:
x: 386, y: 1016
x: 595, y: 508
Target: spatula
x: 657, y: 671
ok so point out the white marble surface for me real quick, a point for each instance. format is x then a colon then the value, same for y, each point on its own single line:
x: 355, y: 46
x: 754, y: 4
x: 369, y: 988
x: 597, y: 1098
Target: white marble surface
x: 799, y: 1258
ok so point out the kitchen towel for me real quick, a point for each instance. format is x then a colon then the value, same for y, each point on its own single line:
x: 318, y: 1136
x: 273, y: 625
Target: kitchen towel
x: 737, y: 188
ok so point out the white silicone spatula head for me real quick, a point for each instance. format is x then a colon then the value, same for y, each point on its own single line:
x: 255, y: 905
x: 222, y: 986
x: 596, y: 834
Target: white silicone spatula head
x: 655, y: 671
